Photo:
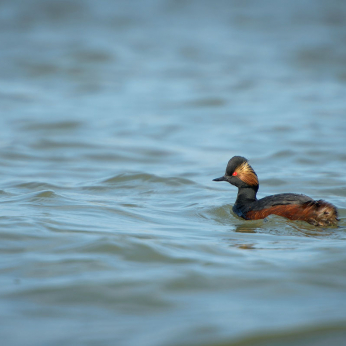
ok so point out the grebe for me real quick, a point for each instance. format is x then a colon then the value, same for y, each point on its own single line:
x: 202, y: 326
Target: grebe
x: 290, y: 205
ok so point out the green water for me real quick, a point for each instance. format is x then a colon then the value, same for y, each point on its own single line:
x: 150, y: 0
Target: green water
x: 115, y: 117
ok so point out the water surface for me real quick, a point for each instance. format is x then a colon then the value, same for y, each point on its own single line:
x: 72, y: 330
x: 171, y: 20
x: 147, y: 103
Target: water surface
x: 115, y: 118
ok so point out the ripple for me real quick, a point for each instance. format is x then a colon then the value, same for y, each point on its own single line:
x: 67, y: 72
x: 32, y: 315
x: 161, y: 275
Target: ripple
x: 283, y: 154
x: 65, y: 125
x: 36, y: 185
x: 41, y: 196
x: 207, y: 102
x: 124, y: 178
x: 333, y: 333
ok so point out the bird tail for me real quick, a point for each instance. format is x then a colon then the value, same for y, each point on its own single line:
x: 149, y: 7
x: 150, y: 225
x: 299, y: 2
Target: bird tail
x: 321, y: 213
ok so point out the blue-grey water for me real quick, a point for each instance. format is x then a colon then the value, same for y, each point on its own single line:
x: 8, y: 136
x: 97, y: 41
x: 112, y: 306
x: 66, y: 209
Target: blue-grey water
x: 115, y: 116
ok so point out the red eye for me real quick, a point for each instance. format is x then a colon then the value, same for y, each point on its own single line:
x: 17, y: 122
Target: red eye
x: 234, y: 174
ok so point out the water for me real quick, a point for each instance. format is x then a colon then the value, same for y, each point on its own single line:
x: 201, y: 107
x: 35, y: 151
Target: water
x: 115, y: 118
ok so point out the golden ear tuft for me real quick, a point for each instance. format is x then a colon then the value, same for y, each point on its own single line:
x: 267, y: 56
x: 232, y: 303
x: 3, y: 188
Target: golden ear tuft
x: 247, y: 174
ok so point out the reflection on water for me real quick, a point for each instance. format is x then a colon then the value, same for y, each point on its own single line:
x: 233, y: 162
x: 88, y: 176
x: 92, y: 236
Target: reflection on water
x: 115, y: 118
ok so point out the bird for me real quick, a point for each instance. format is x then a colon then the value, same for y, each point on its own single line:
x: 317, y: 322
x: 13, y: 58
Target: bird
x: 289, y: 205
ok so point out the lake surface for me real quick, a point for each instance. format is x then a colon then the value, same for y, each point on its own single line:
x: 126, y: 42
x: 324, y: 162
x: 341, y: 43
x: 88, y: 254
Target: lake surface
x: 115, y: 116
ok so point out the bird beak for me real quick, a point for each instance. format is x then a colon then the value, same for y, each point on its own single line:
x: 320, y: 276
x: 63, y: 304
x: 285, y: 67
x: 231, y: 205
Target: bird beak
x: 223, y: 178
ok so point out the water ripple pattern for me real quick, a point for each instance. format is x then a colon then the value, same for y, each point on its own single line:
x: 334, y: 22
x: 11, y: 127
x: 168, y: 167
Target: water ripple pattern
x: 115, y: 116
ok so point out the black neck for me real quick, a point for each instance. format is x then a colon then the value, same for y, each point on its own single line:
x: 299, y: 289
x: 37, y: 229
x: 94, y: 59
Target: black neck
x: 246, y: 195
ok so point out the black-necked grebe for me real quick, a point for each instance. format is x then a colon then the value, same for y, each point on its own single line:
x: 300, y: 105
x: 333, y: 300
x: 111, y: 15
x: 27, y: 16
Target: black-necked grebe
x: 290, y: 205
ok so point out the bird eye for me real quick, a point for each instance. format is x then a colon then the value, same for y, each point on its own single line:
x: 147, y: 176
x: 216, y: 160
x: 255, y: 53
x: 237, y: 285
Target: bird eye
x: 234, y: 174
